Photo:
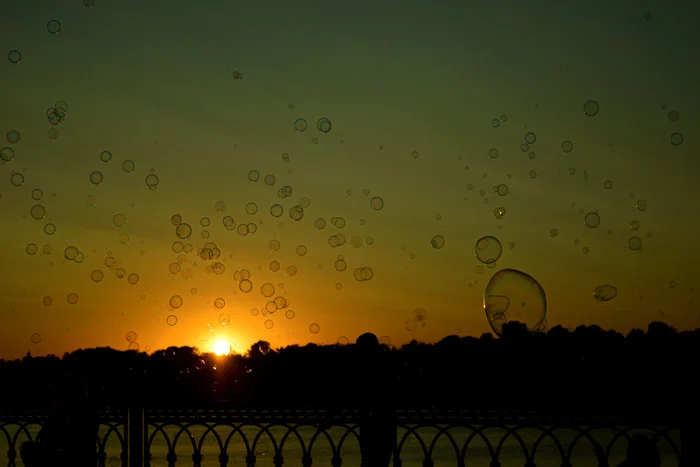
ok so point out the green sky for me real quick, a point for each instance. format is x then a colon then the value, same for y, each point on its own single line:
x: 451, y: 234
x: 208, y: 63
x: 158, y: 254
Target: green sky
x: 153, y: 82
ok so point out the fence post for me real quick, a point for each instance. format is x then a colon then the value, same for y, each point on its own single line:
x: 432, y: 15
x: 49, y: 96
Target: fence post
x: 135, y: 420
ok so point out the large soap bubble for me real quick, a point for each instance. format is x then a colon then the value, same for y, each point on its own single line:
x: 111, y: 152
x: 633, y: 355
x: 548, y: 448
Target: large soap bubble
x: 512, y: 295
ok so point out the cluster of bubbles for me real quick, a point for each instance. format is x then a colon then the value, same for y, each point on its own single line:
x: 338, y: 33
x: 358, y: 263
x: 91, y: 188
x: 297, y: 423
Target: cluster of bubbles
x: 419, y: 317
x: 323, y: 125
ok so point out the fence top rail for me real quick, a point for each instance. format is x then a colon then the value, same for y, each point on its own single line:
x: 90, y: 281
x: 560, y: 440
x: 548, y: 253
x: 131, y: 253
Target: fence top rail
x: 337, y: 416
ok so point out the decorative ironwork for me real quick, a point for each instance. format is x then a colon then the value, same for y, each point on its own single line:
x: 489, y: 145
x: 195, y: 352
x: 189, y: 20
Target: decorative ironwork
x: 306, y: 436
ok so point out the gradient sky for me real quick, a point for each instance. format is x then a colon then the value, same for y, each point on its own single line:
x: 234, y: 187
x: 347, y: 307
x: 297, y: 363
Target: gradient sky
x: 152, y: 82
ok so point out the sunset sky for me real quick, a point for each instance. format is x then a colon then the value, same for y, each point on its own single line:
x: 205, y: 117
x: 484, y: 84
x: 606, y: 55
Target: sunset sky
x: 417, y: 96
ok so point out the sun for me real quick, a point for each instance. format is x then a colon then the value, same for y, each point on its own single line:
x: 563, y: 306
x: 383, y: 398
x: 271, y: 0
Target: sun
x: 221, y: 348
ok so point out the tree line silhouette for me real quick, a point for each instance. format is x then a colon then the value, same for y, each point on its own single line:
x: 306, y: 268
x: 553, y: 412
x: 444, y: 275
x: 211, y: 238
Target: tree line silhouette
x: 587, y: 368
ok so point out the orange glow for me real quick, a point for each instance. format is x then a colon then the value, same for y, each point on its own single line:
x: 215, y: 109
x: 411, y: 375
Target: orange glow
x: 221, y: 348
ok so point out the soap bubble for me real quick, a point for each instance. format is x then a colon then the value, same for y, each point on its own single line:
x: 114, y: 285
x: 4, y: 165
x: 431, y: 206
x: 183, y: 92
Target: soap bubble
x: 437, y: 242
x: 603, y: 293
x: 323, y: 125
x: 53, y: 26
x: 300, y: 125
x: 512, y: 295
x: 591, y: 108
x: 14, y: 56
x: 488, y: 249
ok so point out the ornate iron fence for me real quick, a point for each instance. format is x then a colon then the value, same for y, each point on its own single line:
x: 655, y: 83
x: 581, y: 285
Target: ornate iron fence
x: 426, y: 438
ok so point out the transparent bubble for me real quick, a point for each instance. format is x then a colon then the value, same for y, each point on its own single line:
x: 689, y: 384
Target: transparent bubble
x: 420, y: 314
x: 376, y: 203
x: 229, y: 223
x: 501, y: 189
x: 369, y: 240
x: 38, y: 212
x: 296, y: 213
x: 512, y: 295
x: 133, y: 278
x: 176, y: 301
x: 530, y: 137
x: 289, y: 314
x: 119, y: 220
x: 72, y: 298
x: 183, y: 231
x: 532, y: 174
x: 121, y: 272
x: 245, y: 286
x: 340, y: 265
x: 274, y: 266
x: 305, y: 202
x: 642, y: 205
x: 608, y: 184
x: 105, y: 156
x: 152, y: 181
x: 96, y: 177
x: 36, y: 338
x: 204, y: 222
x: 224, y: 319
x: 7, y: 154
x: 567, y: 146
x: 676, y: 139
x: 47, y: 301
x: 323, y: 125
x: 253, y: 175
x: 269, y: 180
x: 314, y: 328
x: 437, y: 242
x: 237, y: 75
x: 320, y: 223
x: 592, y: 220
x: 53, y: 26
x: 363, y: 274
x: 32, y: 249
x: 285, y: 157
x: 128, y: 166
x: 553, y: 232
x: 634, y: 243
x: 411, y: 324
x: 17, y: 179
x: 634, y: 225
x: 493, y: 153
x: 300, y: 125
x: 591, y: 108
x: 276, y: 210
x: 37, y: 194
x: 267, y: 290
x: 200, y: 364
x: 269, y: 324
x: 70, y: 253
x: 176, y: 219
x: 495, y: 123
x: 14, y: 56
x: 275, y: 245
x: 671, y: 284
x: 97, y: 275
x: 674, y: 115
x: 220, y: 206
x: 131, y: 336
x: 603, y: 293
x: 488, y: 249
x: 171, y: 320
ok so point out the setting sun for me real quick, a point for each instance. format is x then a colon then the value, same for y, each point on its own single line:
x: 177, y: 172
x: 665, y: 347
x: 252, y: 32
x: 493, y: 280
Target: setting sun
x: 221, y: 348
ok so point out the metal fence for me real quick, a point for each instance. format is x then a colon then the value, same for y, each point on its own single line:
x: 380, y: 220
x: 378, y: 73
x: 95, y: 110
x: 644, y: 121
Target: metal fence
x: 426, y: 438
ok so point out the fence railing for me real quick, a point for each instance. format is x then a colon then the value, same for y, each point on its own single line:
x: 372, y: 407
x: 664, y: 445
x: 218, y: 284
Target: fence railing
x: 426, y: 438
